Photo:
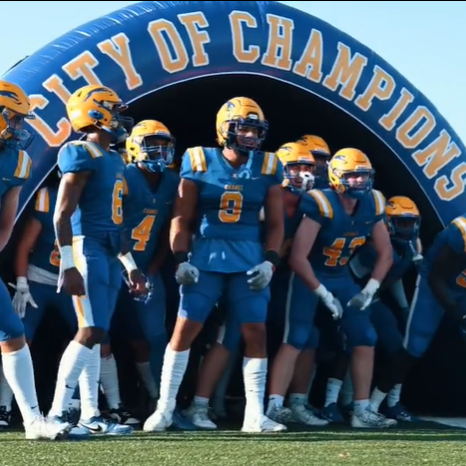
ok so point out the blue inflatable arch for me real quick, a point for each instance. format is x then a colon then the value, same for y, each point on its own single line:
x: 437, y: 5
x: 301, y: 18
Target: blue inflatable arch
x: 179, y: 61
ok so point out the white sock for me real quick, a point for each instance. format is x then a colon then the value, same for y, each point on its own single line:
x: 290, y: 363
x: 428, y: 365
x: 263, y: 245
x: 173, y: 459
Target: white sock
x: 298, y: 399
x: 255, y: 378
x: 173, y: 370
x: 147, y: 378
x: 109, y: 381
x: 201, y: 401
x: 333, y: 390
x: 394, y: 394
x: 72, y: 364
x: 376, y: 400
x: 6, y: 393
x: 347, y: 391
x: 89, y: 385
x: 360, y: 406
x: 19, y: 373
x: 276, y: 400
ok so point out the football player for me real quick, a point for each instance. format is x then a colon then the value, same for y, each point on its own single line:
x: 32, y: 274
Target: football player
x: 220, y: 196
x: 320, y: 151
x: 15, y: 168
x: 337, y: 222
x: 440, y: 290
x: 36, y: 264
x: 403, y: 222
x: 299, y: 170
x: 151, y: 190
x: 88, y: 222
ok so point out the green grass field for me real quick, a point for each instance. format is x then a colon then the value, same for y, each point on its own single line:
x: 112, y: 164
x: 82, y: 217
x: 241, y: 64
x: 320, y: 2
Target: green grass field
x: 430, y: 444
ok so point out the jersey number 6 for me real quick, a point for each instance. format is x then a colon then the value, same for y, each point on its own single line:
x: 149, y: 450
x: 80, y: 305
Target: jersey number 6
x: 231, y: 205
x: 117, y: 202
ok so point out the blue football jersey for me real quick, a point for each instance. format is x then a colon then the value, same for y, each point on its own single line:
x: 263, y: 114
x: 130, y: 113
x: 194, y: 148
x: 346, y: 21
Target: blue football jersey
x: 340, y: 234
x: 228, y: 234
x: 15, y: 168
x: 100, y: 210
x: 147, y: 211
x: 454, y: 235
x: 46, y: 254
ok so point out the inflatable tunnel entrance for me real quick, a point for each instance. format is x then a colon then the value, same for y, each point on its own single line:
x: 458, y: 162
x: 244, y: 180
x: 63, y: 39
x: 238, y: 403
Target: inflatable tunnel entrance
x: 179, y: 61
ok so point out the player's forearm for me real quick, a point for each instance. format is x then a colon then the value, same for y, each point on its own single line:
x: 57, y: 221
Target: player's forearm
x: 63, y: 229
x: 180, y: 235
x: 302, y: 267
x: 21, y: 262
x: 275, y: 237
x: 383, y: 265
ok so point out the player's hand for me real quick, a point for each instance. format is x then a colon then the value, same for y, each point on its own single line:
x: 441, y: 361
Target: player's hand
x: 22, y: 297
x: 72, y: 282
x: 361, y: 301
x: 331, y: 303
x: 137, y: 283
x: 365, y: 297
x: 261, y: 275
x: 186, y: 274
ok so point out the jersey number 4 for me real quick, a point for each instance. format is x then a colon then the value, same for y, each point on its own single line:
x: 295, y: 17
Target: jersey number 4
x: 335, y: 251
x: 141, y: 233
x: 231, y: 206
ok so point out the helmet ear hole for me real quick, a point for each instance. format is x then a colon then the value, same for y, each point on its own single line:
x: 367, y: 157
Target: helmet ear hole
x: 96, y: 115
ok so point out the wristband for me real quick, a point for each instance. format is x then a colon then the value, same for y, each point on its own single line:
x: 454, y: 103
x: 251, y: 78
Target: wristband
x: 21, y: 282
x: 372, y: 286
x: 180, y: 257
x: 67, y: 258
x: 128, y: 262
x: 273, y: 257
x: 321, y: 291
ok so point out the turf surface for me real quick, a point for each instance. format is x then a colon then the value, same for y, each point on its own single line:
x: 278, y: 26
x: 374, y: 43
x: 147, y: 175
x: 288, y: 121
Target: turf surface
x: 421, y: 444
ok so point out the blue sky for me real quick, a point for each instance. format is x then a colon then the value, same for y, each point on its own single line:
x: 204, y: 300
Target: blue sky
x: 424, y: 41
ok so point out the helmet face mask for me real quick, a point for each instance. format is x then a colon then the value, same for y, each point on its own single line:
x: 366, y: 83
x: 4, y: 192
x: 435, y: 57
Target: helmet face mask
x: 151, y: 146
x: 241, y: 125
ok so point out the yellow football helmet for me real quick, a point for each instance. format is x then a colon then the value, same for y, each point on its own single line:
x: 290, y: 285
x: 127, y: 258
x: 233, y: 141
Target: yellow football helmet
x: 321, y: 153
x: 14, y: 109
x: 98, y: 106
x: 403, y: 219
x: 299, y: 166
x: 151, y: 145
x: 236, y: 120
x: 350, y: 173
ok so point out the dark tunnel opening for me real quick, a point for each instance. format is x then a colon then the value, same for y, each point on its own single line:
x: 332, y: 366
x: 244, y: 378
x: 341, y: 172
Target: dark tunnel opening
x: 189, y: 110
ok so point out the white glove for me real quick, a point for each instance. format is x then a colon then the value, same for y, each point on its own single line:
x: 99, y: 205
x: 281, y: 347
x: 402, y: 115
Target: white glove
x: 22, y: 297
x: 364, y: 298
x: 262, y: 274
x: 332, y: 303
x: 186, y: 274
